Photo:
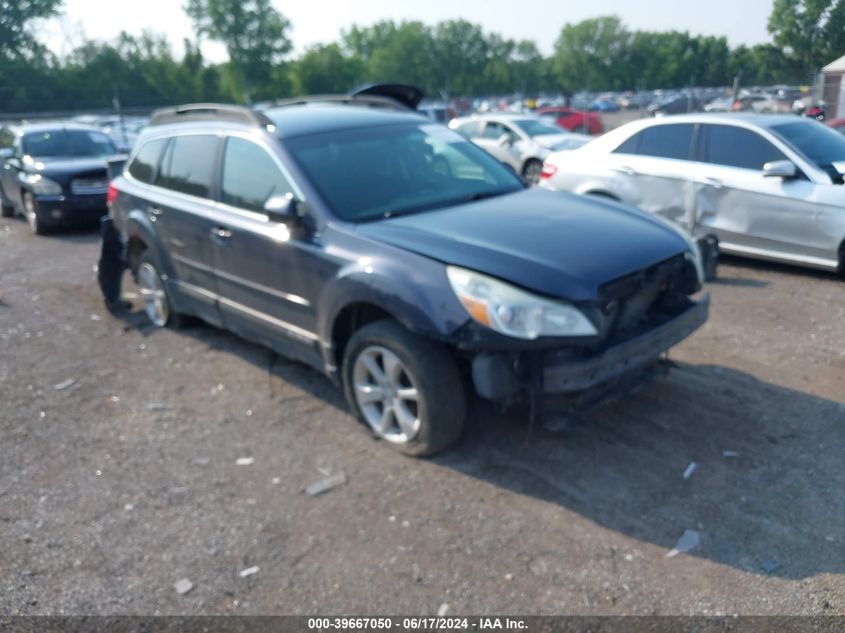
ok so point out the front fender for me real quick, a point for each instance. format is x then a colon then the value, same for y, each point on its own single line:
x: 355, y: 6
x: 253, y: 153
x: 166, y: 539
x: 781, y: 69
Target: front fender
x: 414, y: 290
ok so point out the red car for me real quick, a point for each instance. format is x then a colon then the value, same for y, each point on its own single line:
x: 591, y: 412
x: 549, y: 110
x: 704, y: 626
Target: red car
x: 574, y: 120
x: 838, y: 125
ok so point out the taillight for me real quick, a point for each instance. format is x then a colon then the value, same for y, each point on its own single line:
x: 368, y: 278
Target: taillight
x: 549, y: 170
x: 111, y: 194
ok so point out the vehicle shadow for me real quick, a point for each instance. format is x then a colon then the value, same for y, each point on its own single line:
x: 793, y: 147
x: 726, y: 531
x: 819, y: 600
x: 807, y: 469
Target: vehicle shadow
x: 775, y: 267
x: 766, y: 494
x: 771, y: 505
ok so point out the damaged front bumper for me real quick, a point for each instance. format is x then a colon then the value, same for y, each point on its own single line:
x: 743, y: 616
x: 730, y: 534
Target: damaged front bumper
x: 560, y: 373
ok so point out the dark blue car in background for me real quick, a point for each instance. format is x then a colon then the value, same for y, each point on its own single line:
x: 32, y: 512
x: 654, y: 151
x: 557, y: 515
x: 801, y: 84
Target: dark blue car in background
x: 54, y: 173
x: 389, y: 252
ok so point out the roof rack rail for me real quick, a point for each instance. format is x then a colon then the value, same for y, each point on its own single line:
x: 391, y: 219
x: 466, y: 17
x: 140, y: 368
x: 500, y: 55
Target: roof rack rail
x: 209, y: 112
x: 362, y: 100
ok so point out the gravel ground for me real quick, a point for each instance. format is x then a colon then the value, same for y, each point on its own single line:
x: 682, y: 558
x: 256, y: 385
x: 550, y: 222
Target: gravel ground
x: 184, y: 454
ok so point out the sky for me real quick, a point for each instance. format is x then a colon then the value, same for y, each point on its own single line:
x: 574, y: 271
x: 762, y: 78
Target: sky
x: 321, y: 21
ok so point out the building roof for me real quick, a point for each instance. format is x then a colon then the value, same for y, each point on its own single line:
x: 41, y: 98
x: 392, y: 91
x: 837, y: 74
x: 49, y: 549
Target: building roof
x: 837, y: 66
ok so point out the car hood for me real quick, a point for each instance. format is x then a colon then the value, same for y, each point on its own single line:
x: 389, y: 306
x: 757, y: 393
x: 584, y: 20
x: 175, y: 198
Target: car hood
x: 552, y: 242
x: 66, y: 166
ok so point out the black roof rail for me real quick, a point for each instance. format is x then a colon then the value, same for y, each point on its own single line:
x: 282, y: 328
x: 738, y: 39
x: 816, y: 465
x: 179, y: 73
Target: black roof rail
x: 209, y: 112
x: 361, y: 100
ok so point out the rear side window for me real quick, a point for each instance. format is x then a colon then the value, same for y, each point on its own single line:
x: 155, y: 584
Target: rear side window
x: 738, y: 147
x: 143, y: 166
x: 250, y: 176
x: 662, y: 141
x: 189, y: 165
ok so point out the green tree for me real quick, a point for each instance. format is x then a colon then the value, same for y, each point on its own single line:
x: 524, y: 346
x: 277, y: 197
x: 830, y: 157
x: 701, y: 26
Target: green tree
x: 810, y: 32
x: 591, y: 55
x: 325, y: 69
x: 16, y: 16
x: 255, y: 36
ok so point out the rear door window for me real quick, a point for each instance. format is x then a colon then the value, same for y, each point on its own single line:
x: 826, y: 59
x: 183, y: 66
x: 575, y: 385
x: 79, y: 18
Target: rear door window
x: 661, y: 141
x: 143, y: 167
x: 250, y: 176
x: 737, y: 147
x: 189, y: 165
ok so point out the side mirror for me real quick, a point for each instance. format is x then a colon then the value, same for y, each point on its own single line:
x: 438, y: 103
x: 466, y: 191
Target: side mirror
x: 504, y: 140
x: 284, y: 209
x: 780, y: 169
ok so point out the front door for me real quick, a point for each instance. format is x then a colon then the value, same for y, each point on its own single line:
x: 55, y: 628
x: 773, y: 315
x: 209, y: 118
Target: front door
x: 747, y: 211
x: 263, y: 268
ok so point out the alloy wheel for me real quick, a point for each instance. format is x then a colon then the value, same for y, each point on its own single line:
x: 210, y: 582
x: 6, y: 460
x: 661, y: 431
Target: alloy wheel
x: 386, y: 394
x: 152, y: 291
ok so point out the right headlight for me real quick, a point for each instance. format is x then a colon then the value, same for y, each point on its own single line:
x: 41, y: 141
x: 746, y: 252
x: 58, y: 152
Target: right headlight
x: 515, y: 312
x: 42, y: 186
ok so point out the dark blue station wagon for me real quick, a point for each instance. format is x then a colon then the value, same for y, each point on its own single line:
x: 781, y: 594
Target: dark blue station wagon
x: 397, y: 257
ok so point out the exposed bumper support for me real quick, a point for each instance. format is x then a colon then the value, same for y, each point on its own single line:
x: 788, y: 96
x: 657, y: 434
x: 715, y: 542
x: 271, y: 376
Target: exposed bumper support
x: 571, y: 376
x: 501, y: 375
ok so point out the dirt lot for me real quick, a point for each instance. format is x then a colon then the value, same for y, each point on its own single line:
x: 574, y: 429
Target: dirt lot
x: 120, y: 484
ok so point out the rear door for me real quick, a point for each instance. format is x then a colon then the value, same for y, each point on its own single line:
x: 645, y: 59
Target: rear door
x: 746, y: 210
x: 656, y: 163
x: 182, y: 208
x: 265, y: 270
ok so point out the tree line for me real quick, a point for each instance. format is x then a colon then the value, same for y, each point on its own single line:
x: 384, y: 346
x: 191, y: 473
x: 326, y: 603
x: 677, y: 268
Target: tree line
x: 452, y: 57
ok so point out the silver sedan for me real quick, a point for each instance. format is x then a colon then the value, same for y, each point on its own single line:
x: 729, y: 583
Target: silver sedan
x: 764, y: 186
x: 522, y: 141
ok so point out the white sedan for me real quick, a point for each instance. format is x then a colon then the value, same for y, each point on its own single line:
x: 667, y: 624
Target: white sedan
x: 764, y: 186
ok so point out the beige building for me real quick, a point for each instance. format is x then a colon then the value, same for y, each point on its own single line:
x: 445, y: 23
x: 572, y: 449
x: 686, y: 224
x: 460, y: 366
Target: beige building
x: 834, y: 88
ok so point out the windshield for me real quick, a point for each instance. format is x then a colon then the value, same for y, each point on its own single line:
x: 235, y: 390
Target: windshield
x: 67, y: 143
x: 817, y: 142
x: 378, y: 172
x: 533, y: 127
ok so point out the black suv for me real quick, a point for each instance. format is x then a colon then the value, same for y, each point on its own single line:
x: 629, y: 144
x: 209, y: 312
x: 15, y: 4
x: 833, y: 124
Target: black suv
x: 54, y: 173
x: 405, y: 262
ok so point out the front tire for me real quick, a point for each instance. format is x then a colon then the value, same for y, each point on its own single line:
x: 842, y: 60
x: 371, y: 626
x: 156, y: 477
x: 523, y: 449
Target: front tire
x: 36, y: 225
x: 406, y: 389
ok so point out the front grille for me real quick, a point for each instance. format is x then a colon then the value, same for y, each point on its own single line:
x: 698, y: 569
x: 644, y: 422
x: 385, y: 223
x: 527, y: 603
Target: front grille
x: 643, y: 299
x: 91, y: 186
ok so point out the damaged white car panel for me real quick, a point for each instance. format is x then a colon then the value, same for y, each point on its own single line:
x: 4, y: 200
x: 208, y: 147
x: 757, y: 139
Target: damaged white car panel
x: 764, y: 186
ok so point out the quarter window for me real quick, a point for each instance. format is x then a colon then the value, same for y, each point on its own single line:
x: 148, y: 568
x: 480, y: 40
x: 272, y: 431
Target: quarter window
x: 189, y: 165
x: 737, y: 147
x: 143, y: 166
x: 250, y: 176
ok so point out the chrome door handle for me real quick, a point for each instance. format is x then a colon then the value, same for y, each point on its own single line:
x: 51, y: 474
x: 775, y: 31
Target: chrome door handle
x: 713, y: 182
x: 220, y: 235
x: 625, y: 170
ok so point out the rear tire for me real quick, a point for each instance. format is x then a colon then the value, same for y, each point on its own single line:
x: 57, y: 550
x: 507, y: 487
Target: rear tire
x: 531, y: 171
x: 406, y: 389
x: 158, y: 304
